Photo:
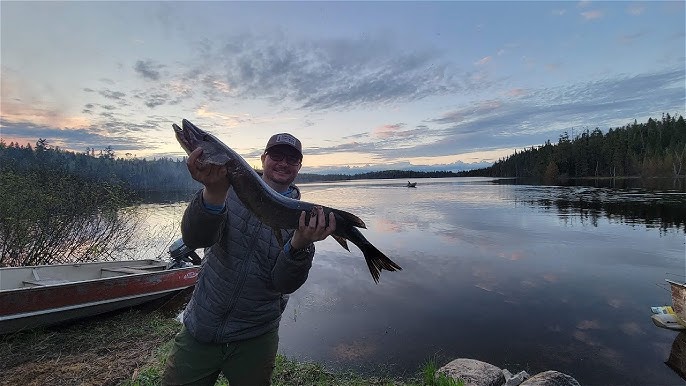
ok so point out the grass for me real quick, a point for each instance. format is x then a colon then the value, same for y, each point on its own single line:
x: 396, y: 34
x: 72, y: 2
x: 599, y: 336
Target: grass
x: 130, y: 348
x: 289, y: 372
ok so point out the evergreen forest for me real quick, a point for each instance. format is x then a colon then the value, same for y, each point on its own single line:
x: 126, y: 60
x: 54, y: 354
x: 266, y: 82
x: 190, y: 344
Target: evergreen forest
x: 138, y: 175
x: 652, y: 149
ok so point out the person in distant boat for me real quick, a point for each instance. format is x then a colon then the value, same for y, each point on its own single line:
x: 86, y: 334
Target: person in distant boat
x: 231, y: 324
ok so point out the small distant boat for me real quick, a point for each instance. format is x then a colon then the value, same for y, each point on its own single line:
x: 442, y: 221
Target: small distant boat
x: 42, y: 295
x: 411, y: 184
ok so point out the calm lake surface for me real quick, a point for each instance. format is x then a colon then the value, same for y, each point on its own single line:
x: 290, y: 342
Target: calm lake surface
x: 524, y: 277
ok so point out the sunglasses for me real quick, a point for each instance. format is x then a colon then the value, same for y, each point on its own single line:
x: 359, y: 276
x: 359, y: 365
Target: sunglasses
x: 290, y: 159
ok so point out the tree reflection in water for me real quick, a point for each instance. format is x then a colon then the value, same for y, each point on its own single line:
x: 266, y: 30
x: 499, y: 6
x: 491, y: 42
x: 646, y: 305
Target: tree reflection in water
x: 656, y: 203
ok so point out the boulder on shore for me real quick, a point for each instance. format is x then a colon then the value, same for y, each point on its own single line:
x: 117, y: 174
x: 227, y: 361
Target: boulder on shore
x: 551, y: 378
x: 477, y: 373
x: 474, y: 372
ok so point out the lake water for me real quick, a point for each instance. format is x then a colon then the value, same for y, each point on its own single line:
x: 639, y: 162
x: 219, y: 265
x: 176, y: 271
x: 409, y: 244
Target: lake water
x: 524, y: 277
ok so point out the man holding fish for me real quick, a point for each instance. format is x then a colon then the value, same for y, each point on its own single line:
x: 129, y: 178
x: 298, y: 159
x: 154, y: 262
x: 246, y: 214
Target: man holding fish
x: 232, y: 320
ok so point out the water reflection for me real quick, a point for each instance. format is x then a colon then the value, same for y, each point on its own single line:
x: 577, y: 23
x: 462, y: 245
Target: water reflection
x: 525, y: 277
x: 168, y: 197
x: 663, y: 210
x: 652, y: 184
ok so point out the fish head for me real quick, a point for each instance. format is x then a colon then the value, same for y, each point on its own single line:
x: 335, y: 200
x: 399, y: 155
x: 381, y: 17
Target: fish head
x: 191, y: 137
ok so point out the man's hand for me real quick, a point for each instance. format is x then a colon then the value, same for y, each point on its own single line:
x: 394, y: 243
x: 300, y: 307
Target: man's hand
x: 315, y: 229
x: 213, y: 177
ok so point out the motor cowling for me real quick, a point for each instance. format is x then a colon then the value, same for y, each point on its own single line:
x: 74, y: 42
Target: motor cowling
x: 181, y: 255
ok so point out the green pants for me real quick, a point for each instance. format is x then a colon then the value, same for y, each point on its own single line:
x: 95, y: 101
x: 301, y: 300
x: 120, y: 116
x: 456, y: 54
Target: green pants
x: 248, y: 362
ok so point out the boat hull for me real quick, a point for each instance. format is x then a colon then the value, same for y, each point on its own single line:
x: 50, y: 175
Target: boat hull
x: 678, y: 292
x: 62, y: 300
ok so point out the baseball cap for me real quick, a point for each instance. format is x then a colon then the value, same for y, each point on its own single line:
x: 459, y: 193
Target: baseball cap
x: 284, y: 139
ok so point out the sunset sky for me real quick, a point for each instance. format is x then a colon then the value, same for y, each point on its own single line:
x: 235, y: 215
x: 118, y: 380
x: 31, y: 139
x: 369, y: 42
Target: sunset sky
x: 364, y: 86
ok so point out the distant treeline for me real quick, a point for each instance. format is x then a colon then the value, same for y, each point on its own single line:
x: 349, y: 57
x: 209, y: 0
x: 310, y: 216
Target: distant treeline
x: 652, y: 149
x: 142, y: 175
x: 386, y: 174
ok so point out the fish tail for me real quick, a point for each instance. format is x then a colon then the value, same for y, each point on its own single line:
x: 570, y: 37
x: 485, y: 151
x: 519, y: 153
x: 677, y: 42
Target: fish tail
x: 377, y: 261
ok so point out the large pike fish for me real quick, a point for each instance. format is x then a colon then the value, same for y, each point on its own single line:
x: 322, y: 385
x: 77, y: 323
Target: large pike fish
x: 274, y: 209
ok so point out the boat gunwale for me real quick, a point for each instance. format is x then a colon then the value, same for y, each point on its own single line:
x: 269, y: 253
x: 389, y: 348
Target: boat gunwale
x: 68, y: 283
x: 76, y: 265
x: 683, y: 285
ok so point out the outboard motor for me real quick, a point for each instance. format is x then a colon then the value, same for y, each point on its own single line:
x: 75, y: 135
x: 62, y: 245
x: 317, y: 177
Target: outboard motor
x: 182, y: 256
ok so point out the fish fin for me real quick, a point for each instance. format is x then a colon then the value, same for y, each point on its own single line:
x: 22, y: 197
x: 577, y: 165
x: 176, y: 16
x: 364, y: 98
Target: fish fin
x: 349, y: 217
x: 342, y: 241
x: 279, y: 237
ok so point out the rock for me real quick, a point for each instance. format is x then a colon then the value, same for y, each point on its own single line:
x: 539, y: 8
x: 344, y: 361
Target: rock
x: 473, y: 372
x: 550, y: 378
x: 516, y: 380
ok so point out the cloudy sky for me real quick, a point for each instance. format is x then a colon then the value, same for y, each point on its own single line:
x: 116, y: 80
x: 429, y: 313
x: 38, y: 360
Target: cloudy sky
x: 383, y: 85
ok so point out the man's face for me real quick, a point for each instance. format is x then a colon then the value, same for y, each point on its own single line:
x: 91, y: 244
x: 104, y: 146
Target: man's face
x: 281, y: 164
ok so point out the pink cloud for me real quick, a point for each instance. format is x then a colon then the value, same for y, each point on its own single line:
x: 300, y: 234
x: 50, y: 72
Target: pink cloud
x: 387, y: 131
x: 516, y: 92
x: 483, y: 61
x: 592, y: 15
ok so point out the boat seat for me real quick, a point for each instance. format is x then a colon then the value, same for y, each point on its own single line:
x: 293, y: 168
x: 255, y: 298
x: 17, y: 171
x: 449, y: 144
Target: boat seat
x: 43, y: 282
x: 148, y: 267
x: 125, y: 270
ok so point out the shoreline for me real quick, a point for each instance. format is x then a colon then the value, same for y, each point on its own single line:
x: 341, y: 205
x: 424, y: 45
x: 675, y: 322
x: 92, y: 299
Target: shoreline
x: 129, y: 348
